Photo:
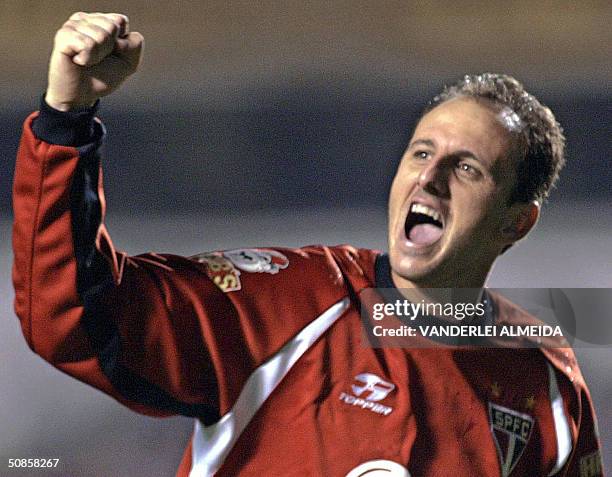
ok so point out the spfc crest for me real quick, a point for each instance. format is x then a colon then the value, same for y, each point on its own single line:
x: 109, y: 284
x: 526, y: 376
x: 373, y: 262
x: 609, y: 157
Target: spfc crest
x: 511, y: 432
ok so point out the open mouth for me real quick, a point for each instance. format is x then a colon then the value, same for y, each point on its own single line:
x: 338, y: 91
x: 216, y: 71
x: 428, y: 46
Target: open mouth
x: 423, y: 225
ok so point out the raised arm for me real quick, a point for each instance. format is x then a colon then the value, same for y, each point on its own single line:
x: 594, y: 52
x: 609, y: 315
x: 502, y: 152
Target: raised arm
x: 140, y: 328
x: 92, y: 312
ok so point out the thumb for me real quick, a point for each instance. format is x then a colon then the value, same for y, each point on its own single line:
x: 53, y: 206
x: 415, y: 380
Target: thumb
x: 129, y: 48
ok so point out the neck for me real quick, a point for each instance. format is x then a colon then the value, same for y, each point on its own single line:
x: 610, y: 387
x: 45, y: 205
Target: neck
x: 475, y: 281
x: 419, y: 293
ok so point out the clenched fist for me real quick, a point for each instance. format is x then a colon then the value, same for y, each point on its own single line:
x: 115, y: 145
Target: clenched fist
x: 92, y: 55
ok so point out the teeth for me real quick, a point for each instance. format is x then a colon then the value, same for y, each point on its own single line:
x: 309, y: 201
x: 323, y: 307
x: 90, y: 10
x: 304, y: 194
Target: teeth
x: 423, y: 209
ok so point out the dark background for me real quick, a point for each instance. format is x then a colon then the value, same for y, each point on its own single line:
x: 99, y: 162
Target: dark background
x: 299, y: 150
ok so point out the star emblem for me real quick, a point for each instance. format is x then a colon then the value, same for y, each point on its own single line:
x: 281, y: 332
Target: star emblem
x: 529, y: 403
x: 495, y: 390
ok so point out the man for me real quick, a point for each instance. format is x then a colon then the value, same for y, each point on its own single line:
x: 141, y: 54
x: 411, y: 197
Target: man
x: 263, y: 346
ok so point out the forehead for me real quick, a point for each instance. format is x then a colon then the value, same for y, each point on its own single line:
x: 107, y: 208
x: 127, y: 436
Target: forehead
x: 466, y: 123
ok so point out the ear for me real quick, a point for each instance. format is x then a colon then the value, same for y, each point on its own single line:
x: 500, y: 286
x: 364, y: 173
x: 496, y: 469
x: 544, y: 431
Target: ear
x: 521, y: 219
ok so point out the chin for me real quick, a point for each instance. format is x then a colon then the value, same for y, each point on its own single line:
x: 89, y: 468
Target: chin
x: 413, y: 269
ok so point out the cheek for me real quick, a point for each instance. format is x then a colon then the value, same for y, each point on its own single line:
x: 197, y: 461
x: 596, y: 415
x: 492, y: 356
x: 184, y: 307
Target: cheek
x: 491, y: 219
x: 393, y: 207
x: 396, y: 193
x: 402, y: 182
x: 480, y: 210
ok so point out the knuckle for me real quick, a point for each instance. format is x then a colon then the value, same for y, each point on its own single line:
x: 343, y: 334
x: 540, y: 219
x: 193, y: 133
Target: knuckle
x: 63, y: 34
x: 119, y: 17
x: 87, y: 41
x: 112, y: 27
x: 109, y: 26
x: 78, y: 16
x: 70, y: 25
x: 121, y: 21
x: 99, y: 35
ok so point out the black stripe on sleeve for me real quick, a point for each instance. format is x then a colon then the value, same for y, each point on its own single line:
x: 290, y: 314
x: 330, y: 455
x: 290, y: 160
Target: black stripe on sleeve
x: 65, y: 128
x: 94, y: 279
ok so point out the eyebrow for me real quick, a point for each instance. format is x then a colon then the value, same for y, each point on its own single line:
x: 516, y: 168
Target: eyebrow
x: 468, y: 154
x: 424, y: 142
x: 461, y: 153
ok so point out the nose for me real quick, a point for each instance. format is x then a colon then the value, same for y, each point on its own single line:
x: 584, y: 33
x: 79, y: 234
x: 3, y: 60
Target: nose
x: 433, y: 178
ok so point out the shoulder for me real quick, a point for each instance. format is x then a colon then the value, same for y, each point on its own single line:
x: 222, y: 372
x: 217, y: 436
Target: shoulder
x: 275, y: 292
x: 555, y: 349
x: 282, y: 271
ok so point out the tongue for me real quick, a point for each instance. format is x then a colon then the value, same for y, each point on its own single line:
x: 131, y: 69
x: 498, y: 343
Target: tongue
x: 425, y: 234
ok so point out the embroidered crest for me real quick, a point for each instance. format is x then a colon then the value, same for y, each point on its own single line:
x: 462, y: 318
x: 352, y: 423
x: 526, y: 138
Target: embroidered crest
x: 220, y: 270
x: 511, y: 432
x: 257, y: 260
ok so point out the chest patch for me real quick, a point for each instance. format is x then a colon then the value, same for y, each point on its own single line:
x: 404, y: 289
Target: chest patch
x: 257, y: 260
x: 220, y: 270
x: 511, y: 432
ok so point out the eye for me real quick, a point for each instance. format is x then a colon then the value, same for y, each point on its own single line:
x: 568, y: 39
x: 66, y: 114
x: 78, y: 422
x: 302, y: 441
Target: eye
x: 468, y: 170
x: 421, y: 155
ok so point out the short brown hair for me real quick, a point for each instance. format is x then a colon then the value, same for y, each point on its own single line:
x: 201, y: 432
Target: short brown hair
x: 541, y: 136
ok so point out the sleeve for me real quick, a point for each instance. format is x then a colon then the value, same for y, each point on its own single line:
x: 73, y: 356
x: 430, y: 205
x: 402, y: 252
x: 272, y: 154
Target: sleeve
x: 124, y: 325
x: 156, y: 332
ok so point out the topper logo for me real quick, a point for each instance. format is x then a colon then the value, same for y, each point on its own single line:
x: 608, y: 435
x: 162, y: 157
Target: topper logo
x: 369, y: 390
x: 377, y: 388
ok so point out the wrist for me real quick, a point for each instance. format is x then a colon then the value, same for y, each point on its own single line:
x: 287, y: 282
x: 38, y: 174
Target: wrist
x: 66, y: 106
x: 74, y: 127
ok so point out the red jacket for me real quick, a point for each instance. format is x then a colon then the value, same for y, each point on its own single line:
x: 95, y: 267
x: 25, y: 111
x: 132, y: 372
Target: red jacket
x: 263, y: 348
